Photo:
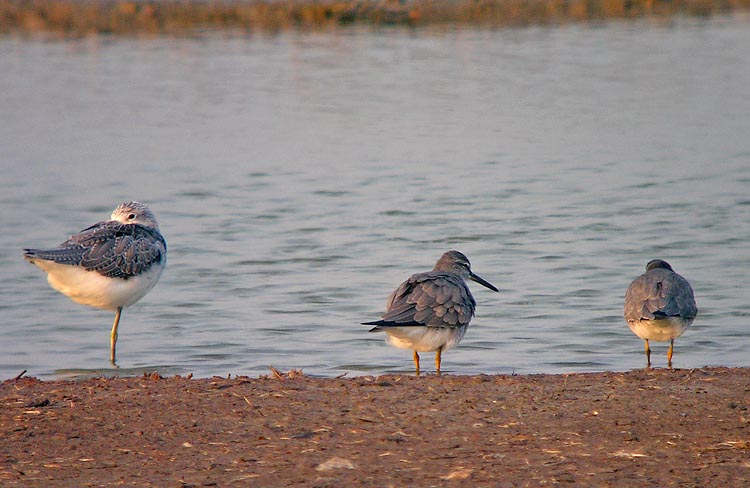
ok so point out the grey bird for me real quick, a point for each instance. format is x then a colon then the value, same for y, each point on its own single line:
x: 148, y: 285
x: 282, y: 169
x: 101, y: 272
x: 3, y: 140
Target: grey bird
x: 110, y: 265
x: 659, y: 306
x: 431, y: 311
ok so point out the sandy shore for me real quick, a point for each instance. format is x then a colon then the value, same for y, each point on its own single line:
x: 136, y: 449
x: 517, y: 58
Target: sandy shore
x: 640, y: 428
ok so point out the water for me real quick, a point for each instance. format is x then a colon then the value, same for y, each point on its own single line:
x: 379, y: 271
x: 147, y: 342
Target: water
x: 298, y: 179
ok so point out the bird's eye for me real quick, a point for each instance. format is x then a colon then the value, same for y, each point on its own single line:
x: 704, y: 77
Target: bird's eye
x: 131, y: 216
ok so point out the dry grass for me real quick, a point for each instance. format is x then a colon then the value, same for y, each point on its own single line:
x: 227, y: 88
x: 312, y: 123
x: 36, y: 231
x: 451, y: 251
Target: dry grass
x: 83, y: 17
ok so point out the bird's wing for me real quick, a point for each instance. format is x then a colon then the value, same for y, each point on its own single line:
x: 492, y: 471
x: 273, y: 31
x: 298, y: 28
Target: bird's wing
x: 111, y: 248
x: 435, y: 299
x: 659, y: 293
x: 684, y: 298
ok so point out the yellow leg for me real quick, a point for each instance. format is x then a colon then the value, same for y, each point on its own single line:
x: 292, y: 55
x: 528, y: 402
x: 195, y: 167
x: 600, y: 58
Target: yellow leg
x: 416, y: 361
x: 648, y: 353
x: 438, y: 355
x: 113, y: 336
x: 669, y: 353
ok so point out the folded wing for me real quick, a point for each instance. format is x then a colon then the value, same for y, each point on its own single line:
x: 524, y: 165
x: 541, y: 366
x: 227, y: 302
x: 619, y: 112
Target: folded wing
x: 434, y: 299
x: 659, y: 293
x: 111, y: 248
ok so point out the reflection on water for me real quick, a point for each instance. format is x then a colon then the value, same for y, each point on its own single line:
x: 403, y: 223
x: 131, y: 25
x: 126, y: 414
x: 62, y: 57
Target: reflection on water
x: 298, y: 179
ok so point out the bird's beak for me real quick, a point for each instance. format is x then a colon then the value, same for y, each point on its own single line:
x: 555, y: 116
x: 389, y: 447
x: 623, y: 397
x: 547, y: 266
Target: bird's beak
x: 481, y: 281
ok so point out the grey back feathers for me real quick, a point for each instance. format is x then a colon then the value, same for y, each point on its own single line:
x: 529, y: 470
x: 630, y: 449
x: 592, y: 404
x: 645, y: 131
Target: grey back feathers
x: 125, y: 246
x: 659, y: 293
x: 437, y: 298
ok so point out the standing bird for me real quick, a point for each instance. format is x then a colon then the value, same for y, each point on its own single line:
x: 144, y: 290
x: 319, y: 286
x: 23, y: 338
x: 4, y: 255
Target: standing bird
x: 659, y: 306
x: 110, y: 265
x: 431, y: 311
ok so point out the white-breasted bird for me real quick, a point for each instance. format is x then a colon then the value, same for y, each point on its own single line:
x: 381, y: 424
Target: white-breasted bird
x: 659, y: 306
x: 110, y: 265
x: 431, y: 311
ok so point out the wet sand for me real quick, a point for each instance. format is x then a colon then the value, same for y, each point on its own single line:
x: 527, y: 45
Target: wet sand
x: 641, y: 428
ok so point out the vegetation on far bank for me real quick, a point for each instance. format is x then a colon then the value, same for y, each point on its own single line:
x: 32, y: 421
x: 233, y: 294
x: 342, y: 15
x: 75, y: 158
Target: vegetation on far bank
x: 83, y: 17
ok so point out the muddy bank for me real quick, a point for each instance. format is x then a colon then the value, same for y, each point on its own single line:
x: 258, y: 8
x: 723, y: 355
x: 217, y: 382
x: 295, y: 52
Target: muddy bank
x: 657, y: 428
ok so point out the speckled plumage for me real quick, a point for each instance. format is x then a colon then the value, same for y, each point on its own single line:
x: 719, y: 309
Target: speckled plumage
x: 112, y: 249
x: 109, y: 265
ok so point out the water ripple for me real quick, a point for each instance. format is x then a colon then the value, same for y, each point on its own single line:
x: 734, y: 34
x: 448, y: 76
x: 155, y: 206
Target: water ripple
x: 296, y: 195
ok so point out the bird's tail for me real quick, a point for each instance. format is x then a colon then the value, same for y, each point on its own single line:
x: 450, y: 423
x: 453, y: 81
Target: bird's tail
x: 384, y: 324
x: 61, y: 256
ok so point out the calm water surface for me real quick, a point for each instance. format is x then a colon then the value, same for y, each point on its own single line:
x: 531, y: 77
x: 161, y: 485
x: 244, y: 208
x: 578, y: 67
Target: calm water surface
x: 298, y: 179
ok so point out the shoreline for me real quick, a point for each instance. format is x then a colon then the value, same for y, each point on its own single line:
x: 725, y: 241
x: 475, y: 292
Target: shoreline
x: 78, y: 18
x: 659, y: 427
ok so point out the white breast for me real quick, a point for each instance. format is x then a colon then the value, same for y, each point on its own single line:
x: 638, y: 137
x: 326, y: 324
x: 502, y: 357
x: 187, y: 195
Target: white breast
x: 92, y: 289
x: 424, y: 339
x: 661, y: 330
